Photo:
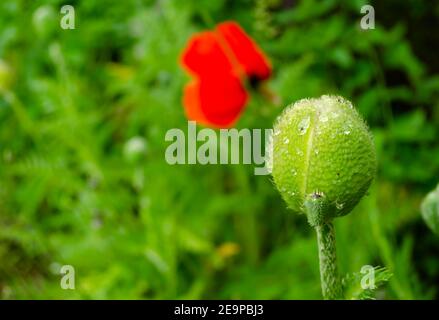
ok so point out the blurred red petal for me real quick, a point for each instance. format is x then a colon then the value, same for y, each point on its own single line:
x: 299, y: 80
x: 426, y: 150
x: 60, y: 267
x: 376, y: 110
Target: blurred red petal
x: 222, y: 100
x: 245, y: 50
x: 191, y: 102
x: 215, y: 102
x: 220, y: 60
x: 204, y: 56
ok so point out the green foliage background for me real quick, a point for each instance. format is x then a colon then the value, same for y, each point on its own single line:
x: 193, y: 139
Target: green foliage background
x: 73, y: 191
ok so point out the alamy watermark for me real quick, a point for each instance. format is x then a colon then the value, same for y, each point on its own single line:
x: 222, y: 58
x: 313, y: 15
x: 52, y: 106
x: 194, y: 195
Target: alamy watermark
x: 226, y: 146
x: 68, y: 19
x: 368, y: 280
x: 368, y: 20
x: 68, y: 279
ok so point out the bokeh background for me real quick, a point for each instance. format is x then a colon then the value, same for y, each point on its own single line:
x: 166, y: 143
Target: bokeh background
x: 84, y: 182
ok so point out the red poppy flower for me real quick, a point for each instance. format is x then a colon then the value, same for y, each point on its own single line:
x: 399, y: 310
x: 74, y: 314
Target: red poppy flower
x: 220, y: 62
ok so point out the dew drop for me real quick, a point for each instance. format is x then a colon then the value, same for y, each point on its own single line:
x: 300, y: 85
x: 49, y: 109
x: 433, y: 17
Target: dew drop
x: 286, y: 141
x: 347, y: 132
x: 303, y: 125
x: 294, y: 172
x: 323, y: 118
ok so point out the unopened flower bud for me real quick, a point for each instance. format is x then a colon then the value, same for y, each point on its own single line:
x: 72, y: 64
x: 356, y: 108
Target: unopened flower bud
x: 323, y: 157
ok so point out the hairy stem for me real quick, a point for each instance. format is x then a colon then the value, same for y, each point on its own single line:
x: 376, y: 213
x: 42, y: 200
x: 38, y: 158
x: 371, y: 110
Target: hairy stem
x: 331, y: 284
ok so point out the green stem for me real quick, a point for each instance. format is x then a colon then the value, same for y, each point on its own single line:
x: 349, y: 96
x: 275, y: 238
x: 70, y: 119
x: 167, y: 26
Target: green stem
x: 331, y: 284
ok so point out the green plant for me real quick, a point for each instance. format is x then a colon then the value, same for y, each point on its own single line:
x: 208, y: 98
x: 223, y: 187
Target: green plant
x: 323, y: 162
x: 73, y: 190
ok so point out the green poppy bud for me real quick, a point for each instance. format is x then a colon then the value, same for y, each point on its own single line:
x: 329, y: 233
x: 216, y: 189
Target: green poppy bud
x: 323, y: 157
x: 430, y: 210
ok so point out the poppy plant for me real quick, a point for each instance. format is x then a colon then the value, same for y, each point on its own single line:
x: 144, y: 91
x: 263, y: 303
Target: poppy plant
x: 221, y: 61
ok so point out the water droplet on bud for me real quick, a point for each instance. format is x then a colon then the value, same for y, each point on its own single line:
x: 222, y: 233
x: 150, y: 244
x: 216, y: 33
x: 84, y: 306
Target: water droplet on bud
x: 304, y: 125
x: 323, y: 118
